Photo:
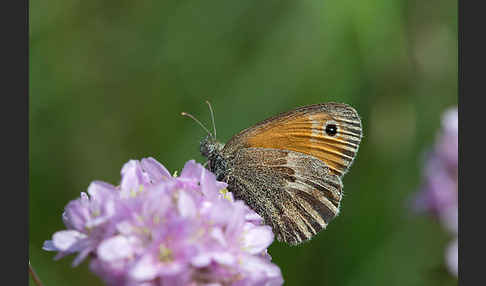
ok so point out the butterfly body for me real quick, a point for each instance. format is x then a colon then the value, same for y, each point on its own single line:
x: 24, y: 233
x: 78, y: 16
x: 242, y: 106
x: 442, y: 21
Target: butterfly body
x: 288, y: 168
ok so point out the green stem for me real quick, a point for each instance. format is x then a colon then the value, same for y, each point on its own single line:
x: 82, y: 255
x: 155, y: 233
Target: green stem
x: 34, y: 276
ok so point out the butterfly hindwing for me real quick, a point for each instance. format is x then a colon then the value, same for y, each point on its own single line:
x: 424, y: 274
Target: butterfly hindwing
x: 295, y: 193
x: 306, y: 130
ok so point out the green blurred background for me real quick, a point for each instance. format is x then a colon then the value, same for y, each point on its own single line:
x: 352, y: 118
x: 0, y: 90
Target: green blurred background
x: 108, y: 80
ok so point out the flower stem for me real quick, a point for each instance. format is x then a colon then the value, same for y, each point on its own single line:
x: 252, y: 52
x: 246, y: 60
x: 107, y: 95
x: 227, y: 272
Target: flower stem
x: 34, y: 276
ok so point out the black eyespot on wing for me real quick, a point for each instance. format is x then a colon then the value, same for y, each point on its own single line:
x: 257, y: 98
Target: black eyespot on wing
x: 331, y: 129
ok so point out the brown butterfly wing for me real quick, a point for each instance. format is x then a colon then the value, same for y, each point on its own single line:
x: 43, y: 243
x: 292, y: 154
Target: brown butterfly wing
x: 304, y: 130
x: 296, y: 194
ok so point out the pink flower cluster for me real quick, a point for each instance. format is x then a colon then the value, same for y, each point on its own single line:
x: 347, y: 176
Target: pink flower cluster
x: 439, y: 193
x: 156, y: 229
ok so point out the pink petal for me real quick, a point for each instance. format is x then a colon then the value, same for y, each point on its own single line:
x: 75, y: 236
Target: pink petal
x: 191, y: 170
x: 186, y: 205
x: 64, y: 239
x: 115, y: 248
x: 145, y: 269
x: 205, y: 258
x: 253, y: 217
x: 257, y: 238
x: 452, y: 257
x: 76, y: 213
x: 81, y: 256
x: 209, y: 186
x: 132, y: 177
x: 257, y: 266
x: 224, y: 258
x: 49, y: 246
x: 450, y: 121
x: 220, y: 211
x: 218, y: 235
x: 155, y: 170
x: 170, y: 268
x: 201, y: 260
x: 99, y: 190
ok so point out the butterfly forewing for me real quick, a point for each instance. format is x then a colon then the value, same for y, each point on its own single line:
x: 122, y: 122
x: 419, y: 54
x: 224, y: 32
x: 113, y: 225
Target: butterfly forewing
x: 296, y: 194
x: 307, y: 130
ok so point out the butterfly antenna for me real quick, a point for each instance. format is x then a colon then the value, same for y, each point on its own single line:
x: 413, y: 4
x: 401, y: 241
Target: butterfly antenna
x: 212, y: 117
x: 197, y: 121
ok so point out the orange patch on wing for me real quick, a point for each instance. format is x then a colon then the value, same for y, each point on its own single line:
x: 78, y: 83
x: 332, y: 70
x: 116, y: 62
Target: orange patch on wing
x: 305, y: 133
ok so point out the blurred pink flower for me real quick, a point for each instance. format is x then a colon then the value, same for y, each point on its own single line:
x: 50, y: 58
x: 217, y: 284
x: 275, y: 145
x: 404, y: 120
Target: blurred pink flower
x: 439, y: 192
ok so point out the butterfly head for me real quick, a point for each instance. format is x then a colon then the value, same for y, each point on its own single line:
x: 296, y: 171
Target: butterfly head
x: 212, y: 149
x: 209, y: 147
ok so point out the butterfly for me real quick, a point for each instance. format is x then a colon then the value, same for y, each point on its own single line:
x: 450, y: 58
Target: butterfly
x: 289, y: 167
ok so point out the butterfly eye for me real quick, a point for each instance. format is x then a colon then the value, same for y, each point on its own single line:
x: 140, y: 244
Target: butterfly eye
x: 331, y: 129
